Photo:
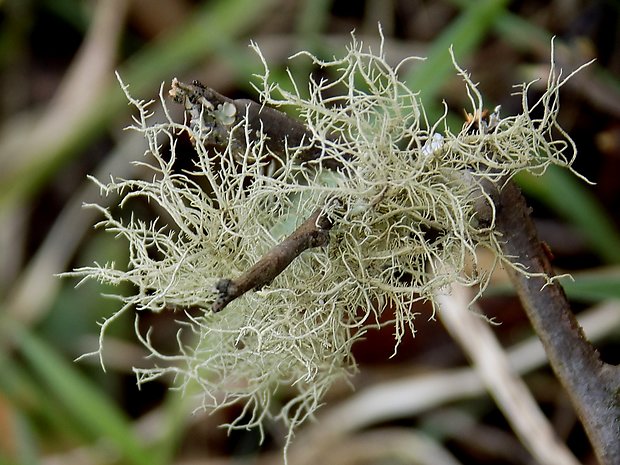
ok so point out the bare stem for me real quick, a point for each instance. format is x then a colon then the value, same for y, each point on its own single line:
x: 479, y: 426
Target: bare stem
x: 314, y: 232
x: 593, y: 386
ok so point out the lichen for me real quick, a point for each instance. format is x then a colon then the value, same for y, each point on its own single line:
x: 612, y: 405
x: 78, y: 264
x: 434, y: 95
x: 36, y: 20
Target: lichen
x: 407, y: 198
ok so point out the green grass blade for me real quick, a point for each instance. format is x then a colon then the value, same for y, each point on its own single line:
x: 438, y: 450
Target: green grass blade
x: 27, y: 395
x: 561, y: 191
x: 81, y: 399
x: 464, y: 34
x: 558, y: 189
x: 210, y: 27
x: 593, y: 287
x: 589, y: 287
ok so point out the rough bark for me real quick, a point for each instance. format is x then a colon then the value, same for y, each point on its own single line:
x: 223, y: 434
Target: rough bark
x: 593, y: 386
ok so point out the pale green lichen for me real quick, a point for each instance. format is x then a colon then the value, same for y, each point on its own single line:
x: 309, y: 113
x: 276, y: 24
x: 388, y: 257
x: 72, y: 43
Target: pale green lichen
x: 406, y: 195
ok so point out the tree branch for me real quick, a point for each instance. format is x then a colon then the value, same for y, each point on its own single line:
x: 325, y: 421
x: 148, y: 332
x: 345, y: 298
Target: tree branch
x: 314, y: 232
x: 281, y: 130
x: 204, y: 105
x: 593, y: 386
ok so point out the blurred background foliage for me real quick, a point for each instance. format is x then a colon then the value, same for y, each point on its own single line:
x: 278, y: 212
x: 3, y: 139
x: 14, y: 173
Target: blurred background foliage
x: 62, y: 117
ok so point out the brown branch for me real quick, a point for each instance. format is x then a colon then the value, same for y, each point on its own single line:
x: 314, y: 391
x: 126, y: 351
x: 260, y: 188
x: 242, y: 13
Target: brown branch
x: 314, y: 232
x: 281, y: 130
x: 593, y: 386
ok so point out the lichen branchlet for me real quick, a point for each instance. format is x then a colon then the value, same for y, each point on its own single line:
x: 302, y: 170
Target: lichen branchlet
x: 401, y: 195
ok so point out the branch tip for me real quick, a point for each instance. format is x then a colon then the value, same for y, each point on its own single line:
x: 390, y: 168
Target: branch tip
x: 314, y: 232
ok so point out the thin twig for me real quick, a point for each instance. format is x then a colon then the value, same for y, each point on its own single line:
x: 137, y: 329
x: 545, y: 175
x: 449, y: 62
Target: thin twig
x: 314, y: 232
x: 282, y: 131
x: 204, y: 105
x: 593, y: 386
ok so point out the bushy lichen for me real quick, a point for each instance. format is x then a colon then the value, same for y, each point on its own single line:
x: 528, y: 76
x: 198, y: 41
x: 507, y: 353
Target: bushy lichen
x: 405, y: 199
